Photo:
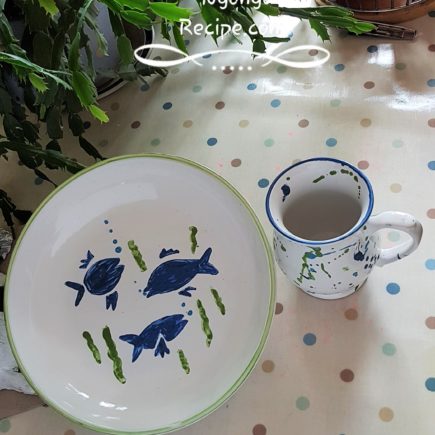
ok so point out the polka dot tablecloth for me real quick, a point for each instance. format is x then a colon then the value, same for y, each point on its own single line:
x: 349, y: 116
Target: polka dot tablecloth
x: 361, y: 365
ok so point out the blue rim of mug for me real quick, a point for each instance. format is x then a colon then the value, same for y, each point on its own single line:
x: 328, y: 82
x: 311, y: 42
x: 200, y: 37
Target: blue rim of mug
x: 321, y: 242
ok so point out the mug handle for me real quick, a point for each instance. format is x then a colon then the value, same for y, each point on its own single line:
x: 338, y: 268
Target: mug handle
x: 399, y: 221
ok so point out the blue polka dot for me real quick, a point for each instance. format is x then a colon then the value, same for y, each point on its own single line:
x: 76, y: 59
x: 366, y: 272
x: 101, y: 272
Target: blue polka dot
x: 190, y: 312
x: 86, y: 125
x: 263, y: 182
x: 430, y: 264
x: 183, y: 304
x: 430, y: 384
x: 186, y: 42
x: 145, y: 87
x: 167, y: 106
x: 339, y: 67
x: 309, y: 339
x: 206, y: 56
x: 106, y: 221
x: 115, y: 241
x: 372, y: 48
x: 118, y: 249
x: 331, y: 142
x: 251, y: 87
x: 431, y: 165
x: 431, y: 83
x: 393, y: 288
x: 38, y: 181
x: 431, y: 14
x: 275, y: 103
x: 211, y: 141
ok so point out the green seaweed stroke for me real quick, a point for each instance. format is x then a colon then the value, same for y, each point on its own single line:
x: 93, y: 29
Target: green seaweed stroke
x: 137, y: 255
x: 205, y: 322
x: 183, y: 361
x: 193, y: 242
x: 92, y: 347
x: 218, y: 300
x: 112, y: 353
x: 305, y: 268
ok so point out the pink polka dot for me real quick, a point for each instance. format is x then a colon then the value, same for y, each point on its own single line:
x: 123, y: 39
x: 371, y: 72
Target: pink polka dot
x: 363, y: 164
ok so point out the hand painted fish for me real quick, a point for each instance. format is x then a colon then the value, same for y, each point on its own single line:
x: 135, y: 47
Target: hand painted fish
x: 155, y: 334
x: 174, y: 274
x: 102, y: 277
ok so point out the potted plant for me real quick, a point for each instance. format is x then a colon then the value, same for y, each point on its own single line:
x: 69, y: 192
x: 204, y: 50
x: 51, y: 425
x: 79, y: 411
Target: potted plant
x: 48, y: 73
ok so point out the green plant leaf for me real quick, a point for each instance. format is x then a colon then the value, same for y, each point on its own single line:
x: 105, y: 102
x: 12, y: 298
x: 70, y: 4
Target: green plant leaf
x: 116, y: 23
x: 37, y: 82
x: 170, y: 11
x: 75, y: 124
x: 179, y: 38
x: 125, y: 49
x: 49, y: 6
x: 139, y: 5
x: 268, y: 9
x: 275, y: 39
x: 5, y: 102
x: 319, y: 28
x: 54, y: 123
x: 98, y: 113
x: 84, y: 87
x: 40, y: 174
x: 139, y: 19
x: 258, y: 46
x: 90, y: 149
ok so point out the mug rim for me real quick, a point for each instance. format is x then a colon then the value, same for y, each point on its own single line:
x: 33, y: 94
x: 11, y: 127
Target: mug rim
x: 353, y: 230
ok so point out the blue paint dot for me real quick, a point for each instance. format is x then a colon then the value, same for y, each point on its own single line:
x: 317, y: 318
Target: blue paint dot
x: 372, y: 48
x: 431, y: 83
x: 251, y: 87
x: 430, y: 264
x: 431, y: 14
x: 275, y: 103
x: 167, y: 106
x: 263, y: 182
x: 355, y: 274
x: 86, y: 125
x: 145, y: 87
x: 118, y: 249
x: 309, y: 339
x: 331, y: 142
x: 110, y: 231
x: 183, y: 304
x: 211, y: 141
x: 186, y: 42
x: 393, y: 288
x: 430, y: 384
x: 135, y: 282
x: 431, y: 165
x: 190, y: 312
x: 106, y: 221
x: 38, y: 181
x: 206, y: 56
x: 339, y: 67
x: 115, y: 241
x: 311, y: 255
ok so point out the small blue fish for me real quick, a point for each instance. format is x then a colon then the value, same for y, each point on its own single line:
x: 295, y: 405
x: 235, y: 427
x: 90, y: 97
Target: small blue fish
x: 155, y: 334
x: 165, y: 252
x: 100, y: 279
x: 174, y: 274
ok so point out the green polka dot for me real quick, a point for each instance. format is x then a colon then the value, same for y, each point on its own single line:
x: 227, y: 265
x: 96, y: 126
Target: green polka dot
x: 400, y: 66
x: 155, y: 142
x: 389, y: 349
x: 393, y: 236
x: 335, y: 103
x: 302, y: 403
x: 197, y: 88
x: 397, y: 143
x: 5, y: 425
x: 269, y: 142
x: 281, y: 69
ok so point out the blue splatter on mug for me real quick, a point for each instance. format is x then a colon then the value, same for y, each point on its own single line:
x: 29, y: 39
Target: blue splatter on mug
x: 326, y: 239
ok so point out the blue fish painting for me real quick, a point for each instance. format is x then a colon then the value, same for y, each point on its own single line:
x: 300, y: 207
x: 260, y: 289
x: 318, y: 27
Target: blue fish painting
x: 100, y: 279
x: 155, y: 335
x: 174, y: 274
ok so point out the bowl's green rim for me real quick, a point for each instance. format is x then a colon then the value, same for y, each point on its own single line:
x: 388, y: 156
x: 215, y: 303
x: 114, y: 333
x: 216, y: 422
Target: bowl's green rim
x: 266, y: 328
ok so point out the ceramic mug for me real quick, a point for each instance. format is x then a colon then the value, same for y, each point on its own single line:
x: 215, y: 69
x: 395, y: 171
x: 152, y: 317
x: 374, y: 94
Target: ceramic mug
x: 326, y: 239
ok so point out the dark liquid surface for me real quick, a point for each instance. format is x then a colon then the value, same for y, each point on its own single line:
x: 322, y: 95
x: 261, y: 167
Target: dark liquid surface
x: 322, y: 215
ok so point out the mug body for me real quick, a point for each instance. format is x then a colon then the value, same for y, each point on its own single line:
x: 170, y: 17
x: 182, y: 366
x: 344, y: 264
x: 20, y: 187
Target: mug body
x: 319, y: 209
